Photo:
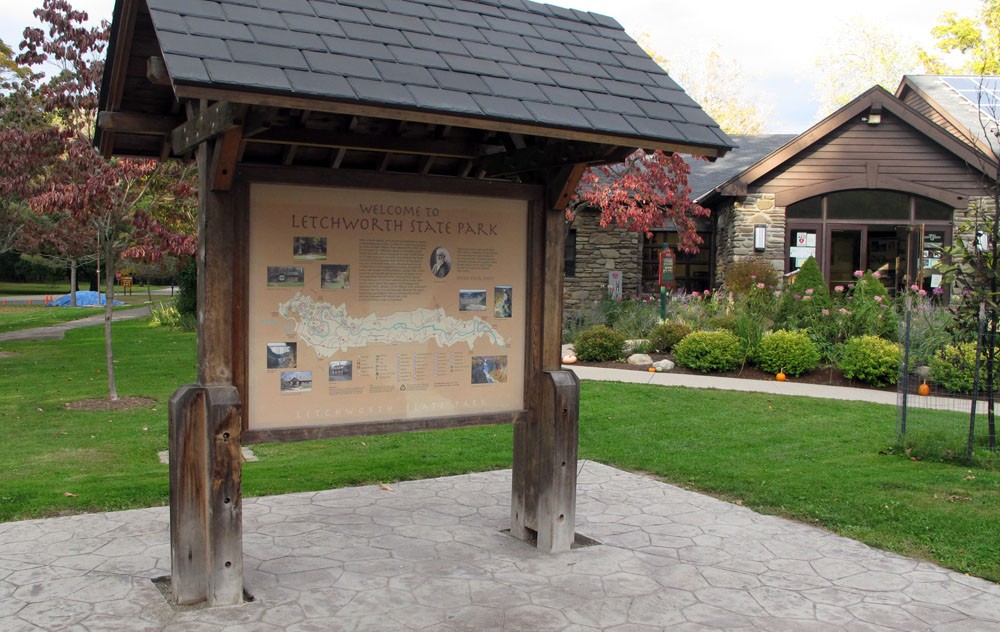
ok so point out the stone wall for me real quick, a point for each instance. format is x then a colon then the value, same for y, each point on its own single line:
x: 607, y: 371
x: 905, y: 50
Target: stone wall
x: 735, y: 228
x: 598, y: 252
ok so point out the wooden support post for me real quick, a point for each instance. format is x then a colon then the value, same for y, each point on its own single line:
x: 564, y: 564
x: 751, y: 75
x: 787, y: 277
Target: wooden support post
x: 206, y: 533
x: 557, y: 437
x: 206, y: 507
x: 188, y: 479
x: 543, y: 487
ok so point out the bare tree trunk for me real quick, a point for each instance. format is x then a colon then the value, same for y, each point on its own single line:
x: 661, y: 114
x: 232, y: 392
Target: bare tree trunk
x: 72, y: 282
x: 109, y: 274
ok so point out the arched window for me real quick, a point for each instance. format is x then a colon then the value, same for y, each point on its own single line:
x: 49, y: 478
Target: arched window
x: 895, y: 233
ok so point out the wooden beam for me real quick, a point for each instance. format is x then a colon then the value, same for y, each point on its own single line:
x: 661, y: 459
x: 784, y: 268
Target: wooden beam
x: 563, y: 185
x: 438, y: 118
x: 123, y: 50
x: 209, y: 123
x: 333, y: 139
x: 135, y: 123
x: 156, y: 72
x: 291, y: 150
x: 544, y: 157
x: 224, y: 158
x: 338, y: 158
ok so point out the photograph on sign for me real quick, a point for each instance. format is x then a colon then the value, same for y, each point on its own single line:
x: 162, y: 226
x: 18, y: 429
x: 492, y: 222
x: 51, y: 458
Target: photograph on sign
x: 369, y: 305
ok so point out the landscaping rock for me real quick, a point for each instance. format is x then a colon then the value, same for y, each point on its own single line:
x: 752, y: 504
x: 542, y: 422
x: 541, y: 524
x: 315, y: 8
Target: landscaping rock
x: 640, y: 359
x: 664, y: 365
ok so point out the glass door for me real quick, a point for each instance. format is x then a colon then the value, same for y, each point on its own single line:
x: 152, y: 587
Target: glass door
x: 846, y: 254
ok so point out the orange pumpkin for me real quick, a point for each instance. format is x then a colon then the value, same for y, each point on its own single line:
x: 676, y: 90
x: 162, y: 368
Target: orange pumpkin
x: 652, y: 369
x: 780, y: 376
x: 923, y: 389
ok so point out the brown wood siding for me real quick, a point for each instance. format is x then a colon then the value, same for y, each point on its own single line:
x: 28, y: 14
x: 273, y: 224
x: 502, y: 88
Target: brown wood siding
x: 866, y: 153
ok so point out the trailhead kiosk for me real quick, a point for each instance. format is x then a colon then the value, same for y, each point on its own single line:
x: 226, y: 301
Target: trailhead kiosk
x: 381, y: 227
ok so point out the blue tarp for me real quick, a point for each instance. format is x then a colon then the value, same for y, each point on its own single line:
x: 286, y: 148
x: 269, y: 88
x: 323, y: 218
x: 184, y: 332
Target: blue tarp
x: 83, y: 299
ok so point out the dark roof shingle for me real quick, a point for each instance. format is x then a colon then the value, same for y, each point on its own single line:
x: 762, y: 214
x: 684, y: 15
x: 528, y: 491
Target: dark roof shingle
x: 514, y: 60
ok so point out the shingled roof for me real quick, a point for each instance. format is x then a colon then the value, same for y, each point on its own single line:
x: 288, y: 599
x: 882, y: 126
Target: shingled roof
x: 506, y: 65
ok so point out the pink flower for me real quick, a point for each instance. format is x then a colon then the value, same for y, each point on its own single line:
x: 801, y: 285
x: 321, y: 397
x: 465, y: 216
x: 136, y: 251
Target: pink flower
x: 839, y: 288
x: 809, y: 291
x: 825, y: 312
x: 806, y: 298
x: 878, y: 299
x: 914, y: 287
x: 777, y: 292
x: 761, y: 286
x: 708, y: 292
x: 938, y: 291
x: 921, y: 292
x: 858, y: 274
x: 877, y: 275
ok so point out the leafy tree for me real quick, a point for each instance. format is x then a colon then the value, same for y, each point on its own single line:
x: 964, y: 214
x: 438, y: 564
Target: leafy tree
x: 861, y: 55
x: 116, y: 201
x: 641, y: 194
x: 719, y: 87
x: 130, y: 207
x: 976, y: 39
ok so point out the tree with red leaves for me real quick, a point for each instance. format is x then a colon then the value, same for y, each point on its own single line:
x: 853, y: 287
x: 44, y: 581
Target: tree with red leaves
x: 117, y: 201
x: 641, y: 193
x: 123, y: 207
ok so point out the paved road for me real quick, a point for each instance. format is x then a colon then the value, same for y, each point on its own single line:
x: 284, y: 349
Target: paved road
x: 57, y: 331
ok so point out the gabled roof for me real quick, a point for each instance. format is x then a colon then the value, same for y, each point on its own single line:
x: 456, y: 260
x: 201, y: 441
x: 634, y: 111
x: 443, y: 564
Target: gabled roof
x: 749, y: 150
x: 510, y: 65
x: 969, y: 104
x: 874, y: 100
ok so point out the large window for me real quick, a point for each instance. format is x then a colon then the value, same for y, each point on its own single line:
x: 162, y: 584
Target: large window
x: 896, y: 234
x: 693, y: 271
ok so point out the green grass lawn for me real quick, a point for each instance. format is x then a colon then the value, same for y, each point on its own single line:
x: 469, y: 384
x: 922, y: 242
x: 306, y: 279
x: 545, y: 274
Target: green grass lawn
x: 829, y: 463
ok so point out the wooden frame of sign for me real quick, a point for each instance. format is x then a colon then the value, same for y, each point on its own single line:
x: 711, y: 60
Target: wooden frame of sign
x: 209, y: 421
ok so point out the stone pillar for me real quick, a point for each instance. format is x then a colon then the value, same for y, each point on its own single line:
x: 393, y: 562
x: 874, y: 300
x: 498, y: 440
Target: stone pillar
x: 736, y: 233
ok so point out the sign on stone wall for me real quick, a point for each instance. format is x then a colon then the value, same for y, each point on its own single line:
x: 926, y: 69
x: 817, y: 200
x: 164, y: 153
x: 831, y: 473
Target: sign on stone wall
x: 615, y: 285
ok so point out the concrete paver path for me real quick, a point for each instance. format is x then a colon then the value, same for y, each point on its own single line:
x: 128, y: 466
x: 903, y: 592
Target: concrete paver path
x: 430, y: 555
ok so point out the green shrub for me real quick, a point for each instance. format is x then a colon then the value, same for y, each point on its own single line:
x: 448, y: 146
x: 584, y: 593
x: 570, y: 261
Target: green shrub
x: 803, y: 304
x: 599, y: 344
x: 744, y: 275
x: 709, y: 351
x: 187, y: 290
x: 954, y: 368
x: 664, y: 336
x: 870, y: 359
x: 791, y: 352
x: 725, y: 321
x: 167, y: 315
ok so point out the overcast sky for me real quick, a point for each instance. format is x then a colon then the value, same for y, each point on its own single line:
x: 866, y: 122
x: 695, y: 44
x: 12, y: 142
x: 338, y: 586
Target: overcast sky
x: 775, y: 42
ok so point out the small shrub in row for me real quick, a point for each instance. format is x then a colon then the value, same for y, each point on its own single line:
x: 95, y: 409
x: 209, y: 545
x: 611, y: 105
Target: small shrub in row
x: 870, y: 359
x: 709, y: 351
x: 791, y: 352
x: 599, y: 344
x: 664, y: 336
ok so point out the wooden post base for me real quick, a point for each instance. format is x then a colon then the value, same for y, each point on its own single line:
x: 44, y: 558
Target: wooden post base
x: 206, y: 509
x: 543, y: 498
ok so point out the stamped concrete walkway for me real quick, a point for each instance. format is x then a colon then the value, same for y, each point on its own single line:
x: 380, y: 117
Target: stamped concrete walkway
x: 431, y: 555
